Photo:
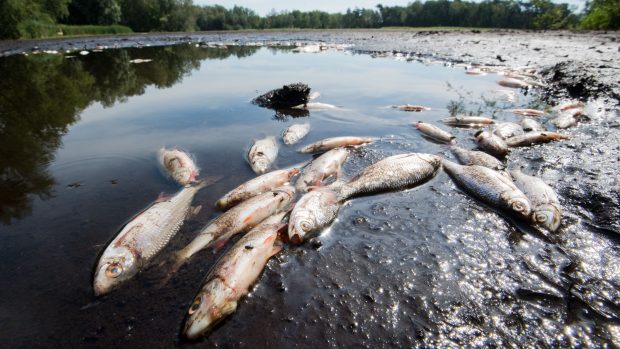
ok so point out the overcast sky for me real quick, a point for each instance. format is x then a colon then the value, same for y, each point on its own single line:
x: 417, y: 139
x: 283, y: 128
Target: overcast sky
x: 263, y: 7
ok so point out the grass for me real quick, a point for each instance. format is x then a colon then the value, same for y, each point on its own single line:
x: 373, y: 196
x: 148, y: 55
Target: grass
x: 37, y: 29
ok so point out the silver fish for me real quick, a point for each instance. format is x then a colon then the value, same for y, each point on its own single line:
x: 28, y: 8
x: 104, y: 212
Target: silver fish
x: 255, y: 186
x: 567, y: 118
x: 489, y: 186
x: 179, y: 165
x: 491, y: 143
x: 474, y: 157
x: 315, y: 106
x: 335, y: 142
x: 142, y: 239
x: 294, y: 133
x: 546, y: 209
x: 312, y: 212
x: 508, y: 129
x: 513, y: 83
x: 434, y: 132
x: 231, y: 279
x: 527, y: 112
x: 530, y: 125
x: 392, y: 173
x: 324, y: 166
x: 263, y: 154
x: 467, y: 121
x: 533, y: 138
x: 411, y: 107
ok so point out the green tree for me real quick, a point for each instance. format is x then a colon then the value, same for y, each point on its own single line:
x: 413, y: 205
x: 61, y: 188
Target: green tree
x: 602, y: 14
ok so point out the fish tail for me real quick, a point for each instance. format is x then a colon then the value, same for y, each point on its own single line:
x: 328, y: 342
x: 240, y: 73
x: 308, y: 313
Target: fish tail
x: 207, y: 181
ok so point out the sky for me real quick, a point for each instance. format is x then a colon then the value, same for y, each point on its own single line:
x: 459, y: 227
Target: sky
x: 264, y: 7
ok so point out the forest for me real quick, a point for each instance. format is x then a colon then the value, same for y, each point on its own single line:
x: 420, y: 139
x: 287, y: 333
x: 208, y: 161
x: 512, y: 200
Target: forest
x: 43, y: 18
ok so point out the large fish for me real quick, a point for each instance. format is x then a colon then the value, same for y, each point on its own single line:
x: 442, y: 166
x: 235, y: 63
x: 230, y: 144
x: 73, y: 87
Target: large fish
x: 491, y: 143
x: 263, y: 154
x: 533, y: 138
x: 392, y: 173
x: 143, y: 238
x: 335, y: 142
x: 231, y: 279
x: 467, y: 121
x: 324, y: 166
x: 491, y: 187
x: 508, y: 129
x: 294, y: 133
x: 434, y: 132
x: 242, y: 217
x: 255, y: 186
x: 313, y: 211
x: 178, y: 165
x: 474, y: 157
x: 546, y: 209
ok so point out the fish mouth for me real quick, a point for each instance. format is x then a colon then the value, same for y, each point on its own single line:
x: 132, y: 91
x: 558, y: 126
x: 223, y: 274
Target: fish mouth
x: 521, y: 206
x: 548, y: 216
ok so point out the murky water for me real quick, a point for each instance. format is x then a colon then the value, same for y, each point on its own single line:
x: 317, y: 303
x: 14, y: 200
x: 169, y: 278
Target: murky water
x: 427, y: 267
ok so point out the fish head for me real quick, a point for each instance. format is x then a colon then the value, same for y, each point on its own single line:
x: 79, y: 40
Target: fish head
x: 549, y: 216
x: 118, y: 266
x: 299, y: 225
x: 260, y: 163
x: 214, y: 302
x: 520, y: 205
x: 284, y: 194
x: 183, y: 175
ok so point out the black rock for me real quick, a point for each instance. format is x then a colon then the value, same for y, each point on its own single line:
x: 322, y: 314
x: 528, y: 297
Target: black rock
x: 284, y: 98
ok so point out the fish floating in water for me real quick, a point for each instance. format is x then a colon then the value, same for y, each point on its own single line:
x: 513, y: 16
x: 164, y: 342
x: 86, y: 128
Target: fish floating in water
x: 513, y: 83
x: 179, y: 165
x: 491, y: 143
x: 294, y: 133
x: 467, y: 121
x: 434, y: 132
x: 326, y: 165
x: 263, y: 154
x: 313, y: 211
x: 474, y: 157
x: 530, y: 138
x: 256, y: 186
x: 231, y: 279
x: 527, y: 112
x: 315, y: 106
x: 142, y: 238
x: 335, y: 142
x: 411, y: 107
x: 140, y: 60
x: 546, y: 209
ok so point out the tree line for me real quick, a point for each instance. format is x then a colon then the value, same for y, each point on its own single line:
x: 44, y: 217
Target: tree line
x: 20, y: 16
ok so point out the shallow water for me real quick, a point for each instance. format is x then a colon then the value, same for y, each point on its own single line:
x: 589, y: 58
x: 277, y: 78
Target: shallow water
x: 426, y: 267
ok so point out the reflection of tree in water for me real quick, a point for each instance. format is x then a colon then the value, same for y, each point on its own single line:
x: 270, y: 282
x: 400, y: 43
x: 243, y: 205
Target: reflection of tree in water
x: 41, y: 95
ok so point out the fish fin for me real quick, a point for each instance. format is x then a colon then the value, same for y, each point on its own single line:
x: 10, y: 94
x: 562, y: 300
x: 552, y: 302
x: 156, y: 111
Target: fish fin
x: 218, y: 244
x: 195, y: 209
x: 209, y: 180
x: 277, y: 247
x: 160, y: 198
x: 247, y: 219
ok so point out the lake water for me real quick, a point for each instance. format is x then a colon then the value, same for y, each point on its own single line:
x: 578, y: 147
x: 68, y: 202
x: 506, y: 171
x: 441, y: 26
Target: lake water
x: 427, y: 267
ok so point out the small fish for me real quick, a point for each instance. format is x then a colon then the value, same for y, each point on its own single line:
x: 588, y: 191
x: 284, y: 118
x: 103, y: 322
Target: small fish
x: 312, y: 212
x: 411, y: 107
x: 263, y: 154
x: 231, y: 279
x: 324, y: 166
x: 491, y: 143
x: 294, y: 133
x: 392, y: 173
x: 467, y: 121
x: 533, y: 138
x: 546, y: 209
x: 513, y: 83
x: 434, y: 132
x: 567, y: 118
x: 508, y: 129
x: 140, y: 60
x: 569, y: 105
x: 315, y: 106
x: 491, y: 187
x: 255, y: 187
x: 475, y: 71
x: 143, y: 238
x: 530, y: 125
x: 335, y: 142
x: 179, y: 165
x: 527, y: 112
x: 314, y: 95
x: 474, y: 157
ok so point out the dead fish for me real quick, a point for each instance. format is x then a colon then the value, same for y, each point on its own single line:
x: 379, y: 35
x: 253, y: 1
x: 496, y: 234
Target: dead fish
x: 491, y: 143
x: 508, y: 129
x: 315, y: 106
x: 527, y: 112
x: 569, y: 105
x: 314, y: 95
x: 142, y: 238
x: 179, y: 165
x: 530, y: 125
x: 489, y: 186
x: 533, y: 138
x: 313, y: 211
x: 567, y: 118
x: 434, y: 132
x: 231, y: 279
x: 392, y: 173
x: 513, y: 83
x: 474, y: 157
x: 467, y: 121
x: 546, y: 209
x: 294, y: 133
x: 263, y: 154
x: 242, y: 217
x: 335, y: 142
x: 324, y: 166
x: 256, y: 186
x: 475, y: 71
x: 411, y: 107
x: 140, y: 60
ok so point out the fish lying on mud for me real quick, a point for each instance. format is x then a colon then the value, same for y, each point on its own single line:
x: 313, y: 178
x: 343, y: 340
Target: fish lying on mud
x: 546, y: 209
x: 255, y: 187
x: 178, y: 165
x: 411, y: 107
x: 467, y: 121
x: 567, y: 118
x: 491, y: 143
x: 508, y: 129
x: 143, y: 238
x: 474, y: 157
x: 530, y: 125
x: 491, y: 187
x: 434, y: 132
x: 513, y: 83
x: 569, y: 105
x: 294, y: 133
x: 527, y: 112
x: 263, y: 154
x: 326, y: 165
x: 313, y: 211
x: 534, y: 138
x: 335, y: 142
x: 392, y: 173
x: 231, y: 278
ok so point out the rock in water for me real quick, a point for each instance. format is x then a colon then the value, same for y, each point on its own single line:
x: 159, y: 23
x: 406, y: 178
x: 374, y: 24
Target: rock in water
x: 284, y: 98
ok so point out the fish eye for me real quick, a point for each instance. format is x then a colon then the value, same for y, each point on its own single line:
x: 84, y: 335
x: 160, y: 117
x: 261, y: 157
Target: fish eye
x: 195, y: 305
x: 114, y: 270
